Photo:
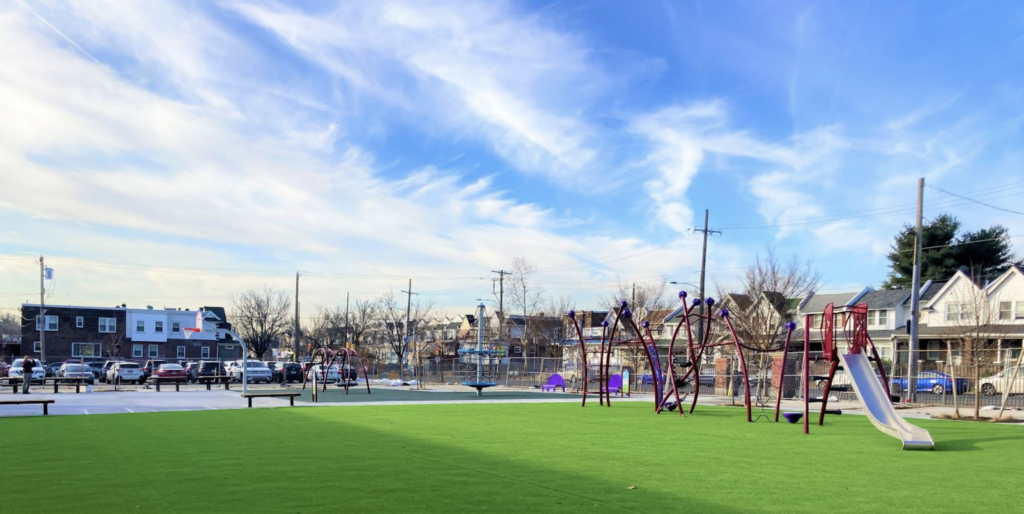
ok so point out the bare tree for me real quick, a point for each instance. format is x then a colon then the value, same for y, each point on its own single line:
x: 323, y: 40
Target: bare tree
x: 10, y: 332
x: 768, y: 284
x: 525, y: 295
x: 642, y: 296
x: 364, y: 315
x: 112, y: 345
x: 326, y: 328
x: 261, y: 318
x: 975, y: 330
x: 392, y: 324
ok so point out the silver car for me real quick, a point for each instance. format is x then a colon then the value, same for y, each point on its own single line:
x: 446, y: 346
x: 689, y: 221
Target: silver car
x: 38, y: 373
x: 69, y: 370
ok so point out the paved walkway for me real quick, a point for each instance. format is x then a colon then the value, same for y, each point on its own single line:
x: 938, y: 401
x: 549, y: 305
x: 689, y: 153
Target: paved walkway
x: 198, y: 398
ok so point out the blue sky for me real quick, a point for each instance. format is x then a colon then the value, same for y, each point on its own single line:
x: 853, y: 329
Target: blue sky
x: 176, y: 153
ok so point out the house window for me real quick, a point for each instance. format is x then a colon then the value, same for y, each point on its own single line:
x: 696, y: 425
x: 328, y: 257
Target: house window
x: 1019, y: 312
x: 159, y: 327
x: 816, y: 321
x: 85, y: 349
x: 140, y: 326
x: 153, y: 351
x: 137, y: 351
x: 108, y: 325
x: 51, y: 323
x: 878, y: 317
x: 206, y: 352
x: 176, y: 327
x: 79, y: 322
x: 958, y: 311
x: 1006, y: 310
x: 37, y: 347
x: 181, y: 352
x: 933, y: 351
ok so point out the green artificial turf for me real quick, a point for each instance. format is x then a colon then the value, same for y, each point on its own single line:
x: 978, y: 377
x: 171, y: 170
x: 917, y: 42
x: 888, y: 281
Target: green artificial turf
x: 533, y: 458
x: 358, y: 394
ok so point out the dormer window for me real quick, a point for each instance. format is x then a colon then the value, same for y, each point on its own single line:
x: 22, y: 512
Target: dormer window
x: 879, y: 318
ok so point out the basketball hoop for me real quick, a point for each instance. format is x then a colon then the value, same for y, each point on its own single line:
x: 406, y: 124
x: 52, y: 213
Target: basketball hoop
x: 191, y: 330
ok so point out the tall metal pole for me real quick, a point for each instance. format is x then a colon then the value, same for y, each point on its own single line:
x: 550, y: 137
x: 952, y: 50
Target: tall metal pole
x: 42, y: 310
x: 348, y: 333
x: 297, y: 332
x: 480, y: 348
x: 703, y: 263
x: 501, y: 299
x: 408, y: 332
x: 915, y: 309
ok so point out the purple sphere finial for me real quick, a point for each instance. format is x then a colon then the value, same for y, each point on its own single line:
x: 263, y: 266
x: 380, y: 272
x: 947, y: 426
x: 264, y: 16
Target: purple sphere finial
x: 626, y: 313
x: 571, y: 313
x: 710, y: 301
x: 696, y: 301
x: 724, y: 313
x: 604, y: 323
x: 682, y: 295
x: 647, y: 324
x: 623, y: 304
x: 791, y: 326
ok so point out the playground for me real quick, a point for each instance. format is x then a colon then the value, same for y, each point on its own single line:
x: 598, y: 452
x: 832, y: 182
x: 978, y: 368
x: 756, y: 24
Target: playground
x: 523, y: 457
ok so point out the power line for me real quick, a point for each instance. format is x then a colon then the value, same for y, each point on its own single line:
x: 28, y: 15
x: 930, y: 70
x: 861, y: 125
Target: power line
x: 975, y: 201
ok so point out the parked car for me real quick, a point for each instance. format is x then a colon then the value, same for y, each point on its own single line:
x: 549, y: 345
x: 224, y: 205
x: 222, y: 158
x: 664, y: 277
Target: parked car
x: 170, y: 371
x: 934, y: 381
x: 149, y: 367
x: 51, y: 369
x: 286, y: 372
x: 3, y: 369
x: 208, y: 369
x: 77, y: 371
x: 191, y: 368
x: 105, y: 370
x: 96, y: 367
x: 332, y: 375
x: 1000, y: 382
x: 257, y: 371
x: 38, y: 371
x: 129, y: 372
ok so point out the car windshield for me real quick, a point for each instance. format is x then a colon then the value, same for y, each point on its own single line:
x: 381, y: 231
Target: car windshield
x: 255, y: 364
x: 171, y: 367
x: 74, y: 368
x: 209, y: 366
x: 129, y: 365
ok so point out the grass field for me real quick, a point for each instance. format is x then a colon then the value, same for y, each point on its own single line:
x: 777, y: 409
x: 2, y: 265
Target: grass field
x: 534, y: 458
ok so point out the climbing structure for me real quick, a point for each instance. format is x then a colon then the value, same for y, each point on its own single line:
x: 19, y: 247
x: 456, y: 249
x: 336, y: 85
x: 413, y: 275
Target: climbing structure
x: 324, y: 358
x: 479, y: 384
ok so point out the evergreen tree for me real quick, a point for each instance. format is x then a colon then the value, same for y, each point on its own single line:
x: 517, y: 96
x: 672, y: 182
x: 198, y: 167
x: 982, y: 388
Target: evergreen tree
x: 986, y: 252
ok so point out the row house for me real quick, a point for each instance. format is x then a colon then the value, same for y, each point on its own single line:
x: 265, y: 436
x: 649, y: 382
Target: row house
x: 127, y: 333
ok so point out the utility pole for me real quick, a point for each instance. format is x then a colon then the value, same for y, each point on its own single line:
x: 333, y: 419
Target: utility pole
x: 42, y: 310
x: 408, y: 337
x: 632, y: 303
x: 915, y: 295
x: 501, y: 300
x: 703, y: 263
x: 348, y: 333
x: 297, y: 333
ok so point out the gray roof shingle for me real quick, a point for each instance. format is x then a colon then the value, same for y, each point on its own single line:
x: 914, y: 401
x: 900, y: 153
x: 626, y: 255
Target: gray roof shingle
x: 818, y: 302
x: 885, y: 299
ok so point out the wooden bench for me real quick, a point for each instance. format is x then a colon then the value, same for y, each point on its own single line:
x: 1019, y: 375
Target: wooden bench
x: 176, y: 380
x: 272, y: 394
x: 208, y: 380
x: 44, y: 403
x: 76, y: 381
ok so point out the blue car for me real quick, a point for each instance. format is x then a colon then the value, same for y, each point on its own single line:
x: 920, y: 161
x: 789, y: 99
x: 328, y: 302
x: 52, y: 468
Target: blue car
x: 932, y: 381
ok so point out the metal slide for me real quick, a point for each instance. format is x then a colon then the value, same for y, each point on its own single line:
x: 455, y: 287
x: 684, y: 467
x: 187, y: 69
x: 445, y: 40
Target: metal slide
x: 878, y: 406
